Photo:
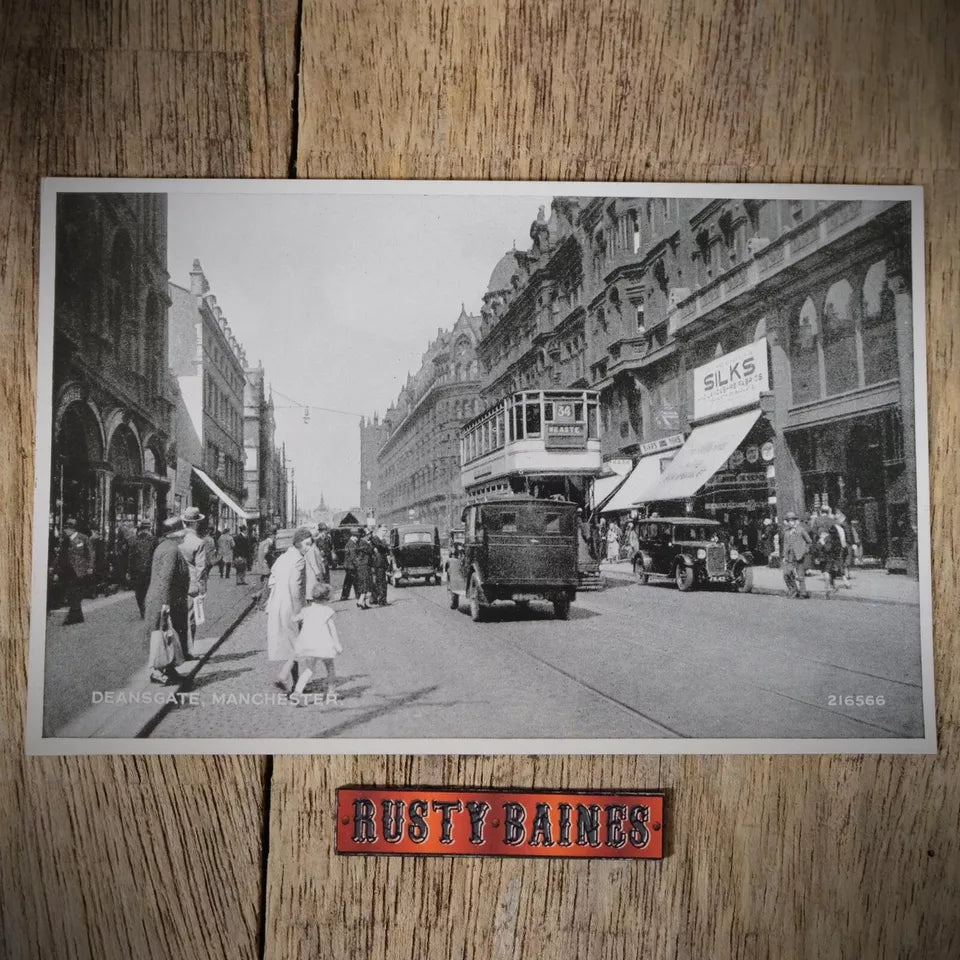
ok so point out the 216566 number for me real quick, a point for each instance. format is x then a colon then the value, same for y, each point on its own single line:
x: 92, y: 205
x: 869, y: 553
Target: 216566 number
x: 855, y: 700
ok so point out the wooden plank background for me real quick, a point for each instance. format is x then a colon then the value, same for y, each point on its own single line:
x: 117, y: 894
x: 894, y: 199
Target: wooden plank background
x: 170, y: 857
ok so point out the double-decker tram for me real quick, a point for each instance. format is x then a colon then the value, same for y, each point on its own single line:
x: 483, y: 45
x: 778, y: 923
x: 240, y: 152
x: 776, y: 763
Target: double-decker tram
x: 544, y: 444
x: 541, y: 442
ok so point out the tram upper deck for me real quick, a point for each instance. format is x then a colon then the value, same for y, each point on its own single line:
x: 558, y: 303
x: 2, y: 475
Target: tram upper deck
x: 533, y: 434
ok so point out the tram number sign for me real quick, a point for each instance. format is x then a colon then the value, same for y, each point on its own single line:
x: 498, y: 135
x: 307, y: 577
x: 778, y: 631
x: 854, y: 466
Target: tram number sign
x: 422, y: 821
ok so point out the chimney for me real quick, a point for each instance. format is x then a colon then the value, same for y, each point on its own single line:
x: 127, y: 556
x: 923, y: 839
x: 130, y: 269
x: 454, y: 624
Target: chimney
x: 198, y: 282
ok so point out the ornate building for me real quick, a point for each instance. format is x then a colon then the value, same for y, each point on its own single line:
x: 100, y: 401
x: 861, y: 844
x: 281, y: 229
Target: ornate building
x: 113, y: 400
x: 209, y: 365
x: 633, y: 296
x: 419, y: 462
x: 263, y: 466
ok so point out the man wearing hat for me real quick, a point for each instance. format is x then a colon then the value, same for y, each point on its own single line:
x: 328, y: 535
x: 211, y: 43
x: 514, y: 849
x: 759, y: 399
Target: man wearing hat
x: 139, y: 561
x: 75, y: 567
x: 168, y: 592
x: 350, y: 566
x: 796, y: 546
x: 192, y: 548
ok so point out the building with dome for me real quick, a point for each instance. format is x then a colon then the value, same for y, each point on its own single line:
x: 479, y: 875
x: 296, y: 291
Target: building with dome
x: 647, y: 299
x: 418, y: 461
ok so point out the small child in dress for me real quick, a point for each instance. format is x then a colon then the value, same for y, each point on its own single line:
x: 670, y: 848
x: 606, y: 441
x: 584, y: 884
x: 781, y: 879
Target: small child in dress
x: 317, y: 640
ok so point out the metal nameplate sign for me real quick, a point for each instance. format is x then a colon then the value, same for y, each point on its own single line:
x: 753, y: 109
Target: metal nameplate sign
x: 425, y: 821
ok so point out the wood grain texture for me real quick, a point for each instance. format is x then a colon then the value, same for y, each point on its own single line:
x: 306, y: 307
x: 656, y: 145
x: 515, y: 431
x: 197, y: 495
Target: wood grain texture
x: 827, y: 857
x: 120, y: 857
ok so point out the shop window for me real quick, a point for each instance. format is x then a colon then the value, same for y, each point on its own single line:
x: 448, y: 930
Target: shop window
x: 839, y: 340
x: 804, y: 354
x: 878, y: 329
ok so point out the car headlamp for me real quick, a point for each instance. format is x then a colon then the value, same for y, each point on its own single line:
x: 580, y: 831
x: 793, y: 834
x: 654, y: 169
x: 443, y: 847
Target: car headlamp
x: 701, y: 554
x: 734, y: 554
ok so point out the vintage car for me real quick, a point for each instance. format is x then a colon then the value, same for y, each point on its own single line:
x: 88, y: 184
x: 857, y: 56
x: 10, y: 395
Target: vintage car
x: 689, y: 551
x: 414, y: 554
x: 516, y: 548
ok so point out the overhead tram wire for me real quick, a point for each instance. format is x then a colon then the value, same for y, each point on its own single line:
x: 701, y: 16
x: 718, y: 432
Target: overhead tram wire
x: 307, y: 407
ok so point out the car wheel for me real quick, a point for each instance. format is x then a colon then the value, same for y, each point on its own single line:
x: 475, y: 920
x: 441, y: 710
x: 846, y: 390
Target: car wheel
x: 561, y: 608
x: 644, y: 578
x: 684, y: 577
x: 437, y: 580
x: 454, y: 600
x: 476, y: 607
x: 743, y: 582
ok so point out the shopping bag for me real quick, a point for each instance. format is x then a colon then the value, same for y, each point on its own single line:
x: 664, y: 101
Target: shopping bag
x: 164, y: 644
x: 199, y: 615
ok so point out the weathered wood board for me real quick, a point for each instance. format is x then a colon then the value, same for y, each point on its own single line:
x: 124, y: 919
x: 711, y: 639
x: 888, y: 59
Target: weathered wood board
x: 785, y: 856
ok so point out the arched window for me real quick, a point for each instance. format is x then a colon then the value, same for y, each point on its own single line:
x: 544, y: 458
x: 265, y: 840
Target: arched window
x: 839, y: 340
x: 878, y: 329
x: 804, y: 354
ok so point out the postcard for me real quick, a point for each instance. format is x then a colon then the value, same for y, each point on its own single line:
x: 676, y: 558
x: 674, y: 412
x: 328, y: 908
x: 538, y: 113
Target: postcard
x: 480, y: 467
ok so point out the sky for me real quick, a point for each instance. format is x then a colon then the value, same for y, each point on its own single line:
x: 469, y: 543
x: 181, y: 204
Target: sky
x: 338, y: 296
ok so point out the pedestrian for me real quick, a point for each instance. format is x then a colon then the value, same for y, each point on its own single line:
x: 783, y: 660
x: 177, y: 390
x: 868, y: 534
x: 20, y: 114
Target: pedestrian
x: 171, y: 586
x: 633, y: 544
x: 364, y: 573
x: 350, y: 567
x: 317, y: 640
x: 847, y: 552
x: 226, y: 553
x: 210, y: 557
x: 287, y: 583
x: 378, y: 569
x: 266, y: 553
x: 140, y: 560
x: 75, y: 566
x: 326, y: 551
x: 613, y: 542
x: 193, y: 549
x: 313, y: 565
x: 831, y: 551
x: 241, y: 555
x: 796, y: 546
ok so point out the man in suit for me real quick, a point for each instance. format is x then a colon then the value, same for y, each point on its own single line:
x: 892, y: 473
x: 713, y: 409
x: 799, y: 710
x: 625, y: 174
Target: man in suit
x: 75, y: 566
x: 350, y: 567
x: 796, y: 546
x: 140, y: 559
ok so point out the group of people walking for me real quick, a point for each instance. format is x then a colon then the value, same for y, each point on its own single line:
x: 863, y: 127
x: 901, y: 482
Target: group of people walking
x: 365, y: 563
x: 826, y: 542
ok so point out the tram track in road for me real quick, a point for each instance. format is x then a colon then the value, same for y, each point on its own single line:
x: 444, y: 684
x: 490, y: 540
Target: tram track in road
x: 516, y: 647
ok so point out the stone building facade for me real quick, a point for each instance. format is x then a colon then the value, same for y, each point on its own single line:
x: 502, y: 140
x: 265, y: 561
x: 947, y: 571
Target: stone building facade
x: 419, y: 462
x: 373, y: 435
x: 113, y: 400
x: 263, y: 467
x: 631, y: 296
x: 209, y: 365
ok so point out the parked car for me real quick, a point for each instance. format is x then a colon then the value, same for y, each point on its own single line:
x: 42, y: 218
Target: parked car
x: 689, y: 551
x: 414, y: 554
x: 516, y: 548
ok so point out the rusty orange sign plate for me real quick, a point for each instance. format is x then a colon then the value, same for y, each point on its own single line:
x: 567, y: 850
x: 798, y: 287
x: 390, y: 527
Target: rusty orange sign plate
x: 423, y: 821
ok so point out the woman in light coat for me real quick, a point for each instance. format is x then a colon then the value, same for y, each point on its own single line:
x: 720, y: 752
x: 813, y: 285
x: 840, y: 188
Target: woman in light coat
x: 287, y: 593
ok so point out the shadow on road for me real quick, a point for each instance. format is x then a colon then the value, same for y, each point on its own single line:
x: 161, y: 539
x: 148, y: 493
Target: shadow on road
x: 392, y: 705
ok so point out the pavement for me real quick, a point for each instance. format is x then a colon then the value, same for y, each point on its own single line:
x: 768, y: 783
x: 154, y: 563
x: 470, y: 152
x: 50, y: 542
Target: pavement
x: 866, y: 583
x: 96, y: 683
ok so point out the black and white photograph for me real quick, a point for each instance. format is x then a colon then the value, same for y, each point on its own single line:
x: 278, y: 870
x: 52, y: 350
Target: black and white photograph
x: 480, y: 467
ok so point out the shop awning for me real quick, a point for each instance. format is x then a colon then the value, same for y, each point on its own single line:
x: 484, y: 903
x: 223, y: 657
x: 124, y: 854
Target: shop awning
x: 224, y: 497
x: 704, y: 452
x: 643, y: 478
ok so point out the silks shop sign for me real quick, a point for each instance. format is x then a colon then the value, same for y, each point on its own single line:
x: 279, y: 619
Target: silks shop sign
x: 422, y: 821
x: 734, y: 380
